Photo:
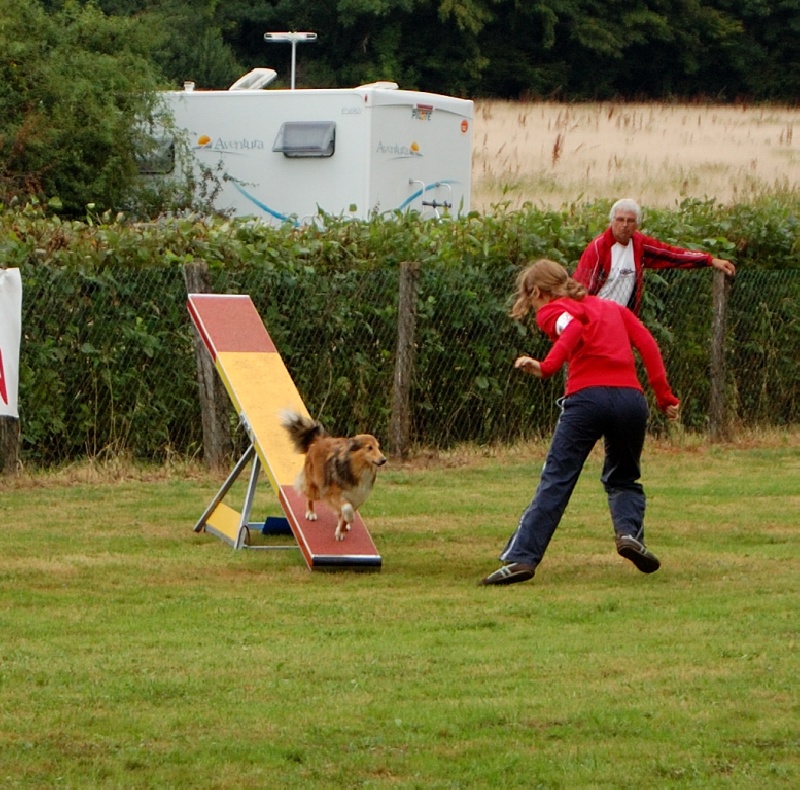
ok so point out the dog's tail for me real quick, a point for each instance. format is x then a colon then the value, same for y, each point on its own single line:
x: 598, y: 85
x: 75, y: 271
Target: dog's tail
x: 303, y: 431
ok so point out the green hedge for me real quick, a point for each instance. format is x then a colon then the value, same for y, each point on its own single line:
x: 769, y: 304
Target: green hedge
x: 107, y: 362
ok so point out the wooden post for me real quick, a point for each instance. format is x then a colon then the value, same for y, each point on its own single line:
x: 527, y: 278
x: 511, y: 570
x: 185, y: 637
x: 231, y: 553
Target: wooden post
x: 719, y: 421
x: 214, y: 408
x: 9, y: 445
x: 400, y: 422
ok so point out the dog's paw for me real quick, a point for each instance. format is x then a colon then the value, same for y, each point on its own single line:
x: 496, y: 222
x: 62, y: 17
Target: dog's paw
x: 311, y: 515
x: 339, y: 535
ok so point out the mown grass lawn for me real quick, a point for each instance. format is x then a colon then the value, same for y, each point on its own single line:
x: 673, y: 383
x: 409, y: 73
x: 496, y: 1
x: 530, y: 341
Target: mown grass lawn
x: 135, y: 653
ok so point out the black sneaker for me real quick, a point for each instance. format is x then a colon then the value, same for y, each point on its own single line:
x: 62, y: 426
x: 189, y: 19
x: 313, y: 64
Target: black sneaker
x: 635, y: 551
x: 510, y: 574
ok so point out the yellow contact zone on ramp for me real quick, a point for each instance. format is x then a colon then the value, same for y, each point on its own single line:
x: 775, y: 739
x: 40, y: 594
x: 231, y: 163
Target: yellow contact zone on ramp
x: 261, y: 389
x: 226, y: 521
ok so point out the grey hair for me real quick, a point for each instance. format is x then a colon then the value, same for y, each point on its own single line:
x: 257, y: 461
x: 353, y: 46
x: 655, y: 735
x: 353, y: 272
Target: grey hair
x: 626, y: 204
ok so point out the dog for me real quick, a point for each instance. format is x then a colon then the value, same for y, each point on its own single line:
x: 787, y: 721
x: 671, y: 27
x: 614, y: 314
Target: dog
x: 339, y: 471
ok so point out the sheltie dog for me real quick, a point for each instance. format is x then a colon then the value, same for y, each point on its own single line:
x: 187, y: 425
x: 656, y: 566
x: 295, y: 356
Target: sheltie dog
x: 338, y: 471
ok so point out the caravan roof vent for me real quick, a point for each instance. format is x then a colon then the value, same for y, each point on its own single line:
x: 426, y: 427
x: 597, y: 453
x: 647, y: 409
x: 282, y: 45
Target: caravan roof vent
x: 254, y: 80
x: 306, y: 138
x: 383, y: 85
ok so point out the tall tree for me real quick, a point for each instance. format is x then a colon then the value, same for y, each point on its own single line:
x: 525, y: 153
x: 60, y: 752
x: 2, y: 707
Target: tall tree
x: 430, y: 44
x: 188, y: 40
x: 769, y: 56
x: 587, y: 49
x: 73, y: 84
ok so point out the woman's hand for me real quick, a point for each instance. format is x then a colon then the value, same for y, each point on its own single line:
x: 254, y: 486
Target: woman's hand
x: 529, y: 365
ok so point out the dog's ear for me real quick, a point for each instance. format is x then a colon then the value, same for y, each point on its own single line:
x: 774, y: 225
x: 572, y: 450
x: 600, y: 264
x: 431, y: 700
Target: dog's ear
x: 355, y: 445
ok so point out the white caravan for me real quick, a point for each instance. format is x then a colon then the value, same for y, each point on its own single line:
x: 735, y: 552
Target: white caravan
x: 287, y: 154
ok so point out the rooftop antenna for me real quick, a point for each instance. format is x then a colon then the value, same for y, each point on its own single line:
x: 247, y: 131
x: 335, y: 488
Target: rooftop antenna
x: 294, y: 39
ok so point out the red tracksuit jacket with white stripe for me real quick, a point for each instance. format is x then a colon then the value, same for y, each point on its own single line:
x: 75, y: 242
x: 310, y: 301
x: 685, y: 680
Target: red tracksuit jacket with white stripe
x: 648, y: 253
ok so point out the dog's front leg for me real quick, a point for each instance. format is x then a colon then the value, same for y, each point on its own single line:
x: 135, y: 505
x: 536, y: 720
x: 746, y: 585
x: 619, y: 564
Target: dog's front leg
x: 346, y: 517
x: 341, y: 526
x: 310, y: 512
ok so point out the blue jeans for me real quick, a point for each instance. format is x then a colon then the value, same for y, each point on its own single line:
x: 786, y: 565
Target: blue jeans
x: 619, y: 415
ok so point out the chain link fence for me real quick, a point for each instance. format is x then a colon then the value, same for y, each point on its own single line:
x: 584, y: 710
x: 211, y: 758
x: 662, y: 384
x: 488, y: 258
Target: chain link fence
x: 108, y: 367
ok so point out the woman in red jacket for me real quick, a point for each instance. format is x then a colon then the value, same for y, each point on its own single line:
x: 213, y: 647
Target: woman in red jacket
x: 603, y: 399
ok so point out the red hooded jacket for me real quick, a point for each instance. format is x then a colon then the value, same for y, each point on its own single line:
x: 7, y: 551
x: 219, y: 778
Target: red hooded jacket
x: 597, y: 337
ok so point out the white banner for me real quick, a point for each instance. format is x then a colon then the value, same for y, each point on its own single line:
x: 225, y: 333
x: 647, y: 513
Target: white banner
x: 10, y: 335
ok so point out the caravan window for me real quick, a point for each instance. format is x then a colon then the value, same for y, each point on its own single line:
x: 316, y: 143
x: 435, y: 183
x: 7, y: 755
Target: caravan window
x: 306, y: 138
x: 158, y: 159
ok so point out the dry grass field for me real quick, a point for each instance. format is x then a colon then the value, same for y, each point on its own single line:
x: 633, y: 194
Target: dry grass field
x: 552, y: 154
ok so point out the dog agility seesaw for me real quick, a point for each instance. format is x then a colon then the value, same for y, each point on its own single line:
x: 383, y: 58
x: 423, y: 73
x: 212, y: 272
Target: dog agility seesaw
x: 261, y: 390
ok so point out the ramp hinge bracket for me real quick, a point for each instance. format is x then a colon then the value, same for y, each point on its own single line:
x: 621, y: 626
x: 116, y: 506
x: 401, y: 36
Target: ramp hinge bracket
x: 243, y: 421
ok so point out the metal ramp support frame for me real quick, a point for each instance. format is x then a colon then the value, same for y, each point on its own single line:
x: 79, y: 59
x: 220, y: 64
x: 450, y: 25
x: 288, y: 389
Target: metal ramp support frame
x: 240, y: 539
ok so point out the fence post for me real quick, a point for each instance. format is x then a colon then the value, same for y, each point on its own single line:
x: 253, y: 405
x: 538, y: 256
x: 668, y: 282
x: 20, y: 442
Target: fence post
x: 217, y: 442
x: 719, y: 423
x: 400, y: 421
x: 9, y: 445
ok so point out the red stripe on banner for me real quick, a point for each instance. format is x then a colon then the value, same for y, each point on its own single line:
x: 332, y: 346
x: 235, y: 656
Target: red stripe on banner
x: 3, y: 390
x: 10, y: 337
